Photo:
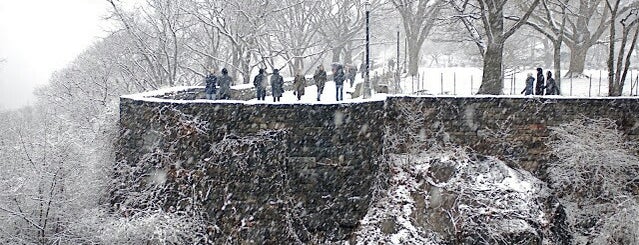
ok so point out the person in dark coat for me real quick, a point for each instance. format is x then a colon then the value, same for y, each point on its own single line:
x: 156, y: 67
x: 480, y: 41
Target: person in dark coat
x: 277, y: 85
x: 320, y: 80
x: 551, y: 85
x: 225, y: 84
x: 211, y: 85
x: 352, y: 73
x: 539, y: 87
x: 299, y: 84
x: 339, y: 77
x: 260, y: 85
x: 529, y: 85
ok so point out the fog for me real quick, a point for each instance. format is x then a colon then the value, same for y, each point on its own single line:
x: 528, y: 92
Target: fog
x: 38, y: 37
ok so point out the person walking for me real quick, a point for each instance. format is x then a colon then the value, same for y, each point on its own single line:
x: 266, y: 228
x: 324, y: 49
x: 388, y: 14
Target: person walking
x: 352, y: 73
x: 320, y: 80
x: 211, y: 85
x: 225, y: 85
x: 277, y: 85
x: 260, y: 85
x: 539, y: 87
x: 338, y: 77
x: 551, y: 85
x: 529, y: 85
x: 299, y: 84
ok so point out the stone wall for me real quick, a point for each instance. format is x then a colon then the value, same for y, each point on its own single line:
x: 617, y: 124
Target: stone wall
x: 307, y: 172
x: 297, y: 173
x: 514, y: 129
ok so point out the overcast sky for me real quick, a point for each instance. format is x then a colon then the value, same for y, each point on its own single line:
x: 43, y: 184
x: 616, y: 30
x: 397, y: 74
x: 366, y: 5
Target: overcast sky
x: 38, y: 37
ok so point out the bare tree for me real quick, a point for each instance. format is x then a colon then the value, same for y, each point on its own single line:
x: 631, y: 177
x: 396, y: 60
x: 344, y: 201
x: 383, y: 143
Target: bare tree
x: 497, y: 33
x: 297, y: 35
x: 617, y: 75
x: 592, y: 178
x: 582, y: 34
x: 158, y: 29
x: 419, y: 17
x: 554, y: 29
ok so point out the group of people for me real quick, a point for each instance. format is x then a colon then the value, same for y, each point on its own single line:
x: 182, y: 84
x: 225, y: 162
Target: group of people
x: 212, y: 82
x: 550, y: 86
x: 341, y: 74
x: 299, y: 83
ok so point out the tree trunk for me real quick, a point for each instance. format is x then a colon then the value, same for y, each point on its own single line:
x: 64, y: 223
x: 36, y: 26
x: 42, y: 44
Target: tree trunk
x: 577, y: 60
x: 337, y: 54
x: 557, y: 63
x: 246, y: 68
x: 414, y: 48
x: 493, y: 77
x: 548, y: 56
x: 348, y: 54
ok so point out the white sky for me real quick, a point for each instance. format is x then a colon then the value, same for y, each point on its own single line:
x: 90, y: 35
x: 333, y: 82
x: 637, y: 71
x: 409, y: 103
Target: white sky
x: 38, y: 37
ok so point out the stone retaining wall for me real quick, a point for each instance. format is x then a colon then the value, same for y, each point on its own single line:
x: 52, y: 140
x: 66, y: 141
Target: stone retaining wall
x: 318, y: 175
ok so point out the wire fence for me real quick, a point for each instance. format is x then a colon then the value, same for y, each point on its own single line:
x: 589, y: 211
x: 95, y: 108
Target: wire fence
x: 466, y: 82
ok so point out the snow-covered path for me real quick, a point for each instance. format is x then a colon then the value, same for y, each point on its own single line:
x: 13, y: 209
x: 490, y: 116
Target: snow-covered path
x: 328, y: 96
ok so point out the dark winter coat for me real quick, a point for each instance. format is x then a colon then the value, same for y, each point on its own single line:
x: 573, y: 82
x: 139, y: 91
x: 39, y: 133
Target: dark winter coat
x: 259, y: 81
x: 539, y: 87
x: 277, y: 85
x: 299, y: 84
x: 551, y: 87
x: 225, y: 86
x: 339, y: 76
x: 529, y: 86
x: 211, y: 84
x: 320, y: 78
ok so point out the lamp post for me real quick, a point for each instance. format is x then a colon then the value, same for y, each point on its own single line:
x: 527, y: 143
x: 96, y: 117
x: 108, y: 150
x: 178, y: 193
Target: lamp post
x: 397, y: 86
x: 367, y: 84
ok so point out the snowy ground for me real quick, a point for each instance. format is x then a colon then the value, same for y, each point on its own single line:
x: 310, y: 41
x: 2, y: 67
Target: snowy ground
x: 457, y: 81
x: 464, y: 81
x: 328, y: 96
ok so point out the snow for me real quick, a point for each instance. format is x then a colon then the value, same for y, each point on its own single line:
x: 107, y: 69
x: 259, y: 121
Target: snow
x: 451, y: 82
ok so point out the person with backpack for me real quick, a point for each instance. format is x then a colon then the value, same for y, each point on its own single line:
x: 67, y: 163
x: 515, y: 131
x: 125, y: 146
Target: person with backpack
x: 225, y: 85
x: 211, y: 85
x: 320, y: 80
x: 260, y: 86
x: 277, y: 85
x: 551, y: 85
x: 529, y: 85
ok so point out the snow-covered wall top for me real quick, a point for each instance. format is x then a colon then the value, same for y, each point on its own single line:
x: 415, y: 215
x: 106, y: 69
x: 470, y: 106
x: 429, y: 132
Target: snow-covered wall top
x: 298, y: 172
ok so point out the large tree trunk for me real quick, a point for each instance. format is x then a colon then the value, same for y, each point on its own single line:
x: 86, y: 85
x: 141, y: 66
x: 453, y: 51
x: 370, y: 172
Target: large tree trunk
x: 557, y: 63
x: 348, y: 53
x: 548, y: 56
x: 577, y: 60
x: 493, y: 77
x: 246, y: 68
x: 414, y: 47
x: 337, y: 54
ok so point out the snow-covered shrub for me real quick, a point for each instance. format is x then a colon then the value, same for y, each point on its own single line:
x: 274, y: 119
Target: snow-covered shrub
x: 143, y: 227
x: 593, y: 177
x: 448, y: 195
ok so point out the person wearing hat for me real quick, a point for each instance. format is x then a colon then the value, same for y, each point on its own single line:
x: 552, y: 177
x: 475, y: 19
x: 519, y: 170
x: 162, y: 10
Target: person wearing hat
x: 277, y: 85
x: 260, y: 85
x: 225, y: 85
x: 529, y: 85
